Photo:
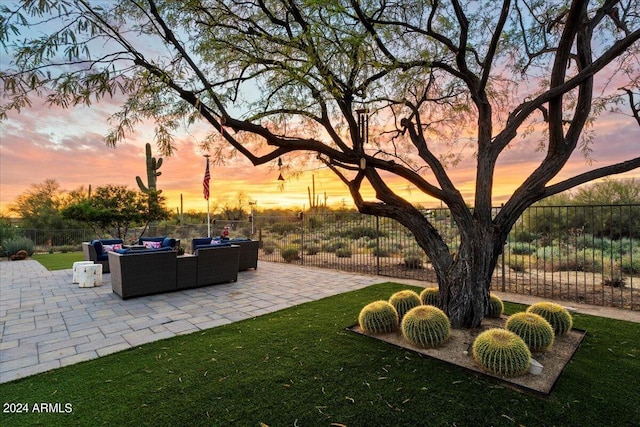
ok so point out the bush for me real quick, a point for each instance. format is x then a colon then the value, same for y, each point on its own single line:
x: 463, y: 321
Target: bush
x: 334, y: 245
x: 380, y: 252
x: 269, y: 247
x: 426, y: 326
x: 285, y: 227
x: 360, y: 231
x: 413, y: 259
x: 312, y: 249
x: 343, y: 253
x: 630, y: 264
x: 519, y: 248
x: 378, y: 317
x: 290, y: 253
x: 518, y: 263
x: 501, y: 352
x: 12, y: 246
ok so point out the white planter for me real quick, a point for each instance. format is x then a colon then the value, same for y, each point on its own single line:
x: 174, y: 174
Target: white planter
x: 90, y: 275
x: 535, y: 368
x: 76, y: 269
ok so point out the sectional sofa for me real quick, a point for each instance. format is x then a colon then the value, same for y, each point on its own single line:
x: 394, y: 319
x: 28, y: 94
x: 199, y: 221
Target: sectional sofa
x: 248, y: 249
x: 146, y: 272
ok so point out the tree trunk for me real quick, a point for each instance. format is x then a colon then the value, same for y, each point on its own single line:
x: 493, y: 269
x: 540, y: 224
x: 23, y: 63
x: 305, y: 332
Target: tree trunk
x: 464, y: 287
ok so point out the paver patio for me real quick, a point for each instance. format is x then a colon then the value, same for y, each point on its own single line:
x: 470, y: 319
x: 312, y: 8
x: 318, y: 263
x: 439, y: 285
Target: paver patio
x: 47, y: 322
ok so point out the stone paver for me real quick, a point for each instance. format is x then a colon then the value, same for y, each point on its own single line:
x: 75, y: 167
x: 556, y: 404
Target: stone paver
x: 47, y: 322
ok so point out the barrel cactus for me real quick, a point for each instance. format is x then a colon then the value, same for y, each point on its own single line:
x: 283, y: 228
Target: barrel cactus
x: 501, y: 352
x: 403, y: 301
x: 426, y: 326
x: 495, y: 307
x: 378, y: 317
x: 536, y: 332
x: 429, y: 296
x: 555, y: 314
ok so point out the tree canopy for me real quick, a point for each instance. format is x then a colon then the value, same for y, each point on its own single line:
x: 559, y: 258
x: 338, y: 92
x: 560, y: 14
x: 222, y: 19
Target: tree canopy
x: 287, y: 77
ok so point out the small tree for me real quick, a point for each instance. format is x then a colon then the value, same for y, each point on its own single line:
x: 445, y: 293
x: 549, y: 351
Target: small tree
x: 113, y: 210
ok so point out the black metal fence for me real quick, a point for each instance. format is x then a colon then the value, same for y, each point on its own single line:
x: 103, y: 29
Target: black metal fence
x: 582, y: 254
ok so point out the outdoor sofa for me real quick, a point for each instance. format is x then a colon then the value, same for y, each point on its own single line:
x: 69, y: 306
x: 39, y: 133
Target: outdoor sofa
x: 152, y: 271
x: 248, y: 249
x: 97, y: 251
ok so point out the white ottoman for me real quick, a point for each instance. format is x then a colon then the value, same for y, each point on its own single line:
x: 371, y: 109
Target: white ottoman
x: 76, y: 268
x: 90, y: 275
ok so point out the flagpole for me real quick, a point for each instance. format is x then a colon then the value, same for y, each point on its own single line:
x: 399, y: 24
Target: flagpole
x: 207, y: 196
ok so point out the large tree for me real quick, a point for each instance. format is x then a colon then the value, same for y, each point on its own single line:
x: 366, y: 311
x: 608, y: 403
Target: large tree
x: 274, y: 77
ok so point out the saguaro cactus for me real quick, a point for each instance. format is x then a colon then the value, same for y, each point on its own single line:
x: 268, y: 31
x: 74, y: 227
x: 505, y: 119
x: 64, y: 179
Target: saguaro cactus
x: 153, y: 165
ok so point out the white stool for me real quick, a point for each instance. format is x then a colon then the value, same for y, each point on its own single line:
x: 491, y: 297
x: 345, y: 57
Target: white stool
x: 76, y: 266
x: 90, y: 275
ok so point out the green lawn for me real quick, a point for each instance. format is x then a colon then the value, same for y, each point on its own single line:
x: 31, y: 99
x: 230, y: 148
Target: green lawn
x: 299, y: 366
x: 58, y: 260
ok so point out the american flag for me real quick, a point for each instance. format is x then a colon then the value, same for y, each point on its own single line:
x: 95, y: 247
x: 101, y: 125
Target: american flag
x: 205, y: 182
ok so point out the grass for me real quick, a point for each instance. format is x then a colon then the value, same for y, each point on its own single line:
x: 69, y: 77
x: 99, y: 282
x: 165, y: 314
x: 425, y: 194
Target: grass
x: 58, y: 260
x: 299, y: 366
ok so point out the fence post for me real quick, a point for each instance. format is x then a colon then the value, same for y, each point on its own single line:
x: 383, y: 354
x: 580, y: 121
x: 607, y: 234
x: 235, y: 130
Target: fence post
x: 301, y: 218
x: 377, y: 245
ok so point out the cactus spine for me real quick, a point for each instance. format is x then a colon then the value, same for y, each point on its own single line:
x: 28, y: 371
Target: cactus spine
x: 378, y: 317
x: 429, y: 296
x: 426, y: 326
x: 501, y: 352
x: 534, y: 330
x: 403, y: 301
x: 555, y: 314
x: 495, y: 307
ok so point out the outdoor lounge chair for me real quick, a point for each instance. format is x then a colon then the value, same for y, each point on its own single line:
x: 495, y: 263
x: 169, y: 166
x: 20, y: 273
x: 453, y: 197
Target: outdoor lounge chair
x: 217, y: 264
x: 143, y: 273
x: 95, y: 251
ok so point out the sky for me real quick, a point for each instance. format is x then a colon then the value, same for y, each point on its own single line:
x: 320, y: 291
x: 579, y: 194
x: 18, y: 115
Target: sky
x: 68, y: 145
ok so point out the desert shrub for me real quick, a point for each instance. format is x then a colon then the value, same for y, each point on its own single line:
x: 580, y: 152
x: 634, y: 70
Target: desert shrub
x: 13, y: 245
x: 361, y: 231
x: 426, y: 326
x: 524, y: 236
x: 501, y: 352
x: 269, y: 246
x: 334, y: 245
x: 520, y: 248
x: 555, y: 314
x: 630, y: 264
x: 378, y: 317
x: 381, y: 252
x: 284, y: 227
x: 290, y: 253
x: 534, y: 330
x: 403, y: 301
x: 495, y: 308
x: 612, y: 274
x: 518, y: 263
x: 343, y: 253
x: 312, y: 249
x: 413, y: 258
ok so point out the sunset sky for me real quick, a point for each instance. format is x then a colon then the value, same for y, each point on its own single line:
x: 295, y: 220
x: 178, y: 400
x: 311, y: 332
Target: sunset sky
x: 68, y: 146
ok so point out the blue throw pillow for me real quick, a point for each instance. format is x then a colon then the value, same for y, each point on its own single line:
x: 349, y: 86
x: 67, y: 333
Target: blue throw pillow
x: 97, y: 245
x: 168, y: 242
